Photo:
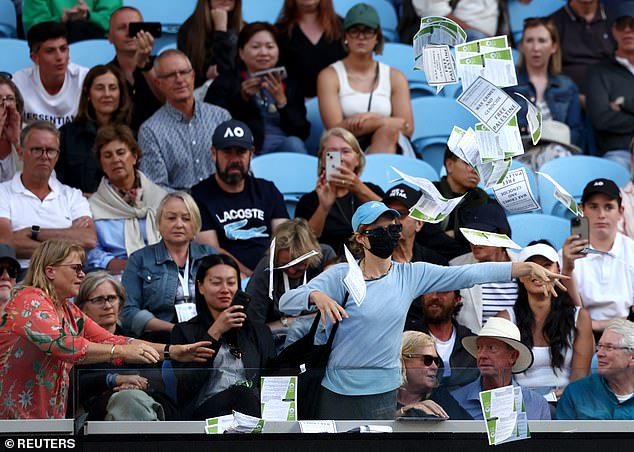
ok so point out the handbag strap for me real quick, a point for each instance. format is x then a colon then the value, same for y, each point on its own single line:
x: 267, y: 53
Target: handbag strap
x: 313, y: 328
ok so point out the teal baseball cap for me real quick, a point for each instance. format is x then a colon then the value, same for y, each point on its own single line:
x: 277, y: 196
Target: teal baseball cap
x: 362, y: 14
x: 369, y: 212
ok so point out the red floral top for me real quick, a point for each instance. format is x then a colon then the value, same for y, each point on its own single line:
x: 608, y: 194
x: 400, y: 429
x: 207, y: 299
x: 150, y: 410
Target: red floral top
x: 37, y: 352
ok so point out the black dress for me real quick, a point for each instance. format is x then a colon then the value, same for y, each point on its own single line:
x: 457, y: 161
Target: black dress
x: 77, y: 166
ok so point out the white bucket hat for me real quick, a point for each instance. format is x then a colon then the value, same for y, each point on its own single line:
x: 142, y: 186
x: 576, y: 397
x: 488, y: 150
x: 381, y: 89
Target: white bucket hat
x: 506, y: 331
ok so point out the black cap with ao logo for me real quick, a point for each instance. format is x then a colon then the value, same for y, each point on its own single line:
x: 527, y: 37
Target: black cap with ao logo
x: 605, y: 186
x: 232, y: 134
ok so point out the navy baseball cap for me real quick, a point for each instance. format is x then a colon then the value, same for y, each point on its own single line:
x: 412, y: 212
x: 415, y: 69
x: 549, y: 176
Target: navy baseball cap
x: 403, y: 193
x: 601, y: 185
x: 232, y: 134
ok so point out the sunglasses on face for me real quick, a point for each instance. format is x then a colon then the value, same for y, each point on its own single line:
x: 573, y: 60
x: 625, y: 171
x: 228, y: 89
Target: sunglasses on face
x: 11, y: 270
x: 426, y: 359
x: 393, y: 230
x: 78, y: 268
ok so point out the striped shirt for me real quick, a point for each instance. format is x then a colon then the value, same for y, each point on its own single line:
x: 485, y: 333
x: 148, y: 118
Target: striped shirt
x: 497, y: 297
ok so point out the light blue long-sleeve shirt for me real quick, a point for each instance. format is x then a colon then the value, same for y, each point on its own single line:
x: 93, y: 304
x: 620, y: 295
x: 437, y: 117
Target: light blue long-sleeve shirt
x: 110, y: 243
x: 365, y: 352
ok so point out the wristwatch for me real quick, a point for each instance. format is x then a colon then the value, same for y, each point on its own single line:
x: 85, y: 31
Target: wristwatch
x: 166, y: 352
x: 35, y: 230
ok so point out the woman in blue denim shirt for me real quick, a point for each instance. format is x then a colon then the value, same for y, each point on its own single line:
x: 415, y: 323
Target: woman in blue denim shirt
x: 159, y: 279
x: 539, y: 79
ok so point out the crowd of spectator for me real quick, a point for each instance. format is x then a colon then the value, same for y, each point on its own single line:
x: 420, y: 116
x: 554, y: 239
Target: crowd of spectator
x: 134, y: 235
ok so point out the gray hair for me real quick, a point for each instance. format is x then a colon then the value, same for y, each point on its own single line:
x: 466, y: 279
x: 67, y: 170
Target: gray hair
x: 38, y: 125
x: 626, y: 329
x: 167, y: 53
x: 95, y: 279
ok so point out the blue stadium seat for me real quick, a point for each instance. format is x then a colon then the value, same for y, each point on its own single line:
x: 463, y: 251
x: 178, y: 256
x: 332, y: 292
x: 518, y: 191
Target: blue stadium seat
x: 261, y: 10
x: 573, y: 173
x: 432, y: 151
x: 170, y: 13
x: 316, y: 126
x: 385, y: 9
x: 526, y: 227
x: 518, y: 12
x: 293, y: 174
x: 8, y: 22
x: 434, y: 118
x: 377, y: 169
x: 401, y: 57
x: 15, y: 55
x: 91, y: 52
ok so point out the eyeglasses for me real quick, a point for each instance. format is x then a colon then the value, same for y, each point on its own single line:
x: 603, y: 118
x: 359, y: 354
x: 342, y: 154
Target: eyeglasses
x: 393, y: 230
x: 623, y: 22
x: 8, y: 99
x: 609, y: 347
x: 235, y: 352
x: 357, y: 32
x: 39, y: 152
x: 427, y: 359
x: 78, y: 268
x: 100, y: 302
x: 11, y: 270
x: 171, y: 76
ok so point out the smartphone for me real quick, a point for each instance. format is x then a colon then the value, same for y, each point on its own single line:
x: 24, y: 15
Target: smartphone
x: 333, y: 160
x: 281, y: 70
x: 581, y: 227
x: 153, y: 28
x: 241, y: 298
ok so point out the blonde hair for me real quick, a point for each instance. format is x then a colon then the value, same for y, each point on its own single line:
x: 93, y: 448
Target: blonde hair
x: 412, y: 342
x: 47, y: 254
x: 296, y: 237
x: 350, y: 139
x: 190, y: 206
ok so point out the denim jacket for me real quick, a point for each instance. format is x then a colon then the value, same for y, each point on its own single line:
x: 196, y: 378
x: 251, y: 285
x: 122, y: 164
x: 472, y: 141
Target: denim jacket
x: 562, y: 98
x: 150, y: 280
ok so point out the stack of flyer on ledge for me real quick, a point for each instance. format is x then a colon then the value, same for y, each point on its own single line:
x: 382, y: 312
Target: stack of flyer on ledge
x: 504, y: 415
x: 233, y: 423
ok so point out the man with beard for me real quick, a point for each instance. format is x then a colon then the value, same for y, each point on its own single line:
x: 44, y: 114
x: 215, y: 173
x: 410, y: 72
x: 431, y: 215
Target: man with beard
x: 439, y: 321
x: 239, y: 212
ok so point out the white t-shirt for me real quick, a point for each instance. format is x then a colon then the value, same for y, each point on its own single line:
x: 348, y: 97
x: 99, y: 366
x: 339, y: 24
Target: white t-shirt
x: 58, y: 210
x: 480, y: 14
x: 60, y: 108
x: 444, y: 349
x: 606, y: 281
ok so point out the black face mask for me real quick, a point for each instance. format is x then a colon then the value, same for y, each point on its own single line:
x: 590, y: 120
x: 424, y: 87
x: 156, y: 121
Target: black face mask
x: 384, y: 240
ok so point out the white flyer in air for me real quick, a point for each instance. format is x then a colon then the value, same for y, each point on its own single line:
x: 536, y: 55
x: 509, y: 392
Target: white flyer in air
x: 497, y: 67
x: 440, y: 69
x: 431, y: 207
x: 296, y: 261
x: 493, y: 173
x: 354, y: 281
x: 514, y: 193
x: 483, y: 238
x: 271, y: 266
x: 563, y: 196
x: 503, y: 145
x: 489, y: 104
x: 479, y: 46
x: 468, y: 146
x: 534, y: 119
x: 278, y: 398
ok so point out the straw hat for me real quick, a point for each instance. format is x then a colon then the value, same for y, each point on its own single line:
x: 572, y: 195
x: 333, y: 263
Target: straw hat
x: 506, y: 331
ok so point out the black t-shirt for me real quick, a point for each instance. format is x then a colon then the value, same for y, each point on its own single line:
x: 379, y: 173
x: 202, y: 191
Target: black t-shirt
x: 241, y: 220
x: 338, y: 226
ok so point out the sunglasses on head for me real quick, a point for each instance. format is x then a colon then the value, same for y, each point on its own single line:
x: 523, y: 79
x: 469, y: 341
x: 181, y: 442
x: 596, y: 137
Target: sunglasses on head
x: 427, y: 359
x: 393, y: 230
x: 11, y: 270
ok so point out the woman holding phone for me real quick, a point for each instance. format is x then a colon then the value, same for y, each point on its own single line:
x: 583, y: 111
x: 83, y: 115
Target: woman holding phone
x: 260, y: 95
x: 227, y: 381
